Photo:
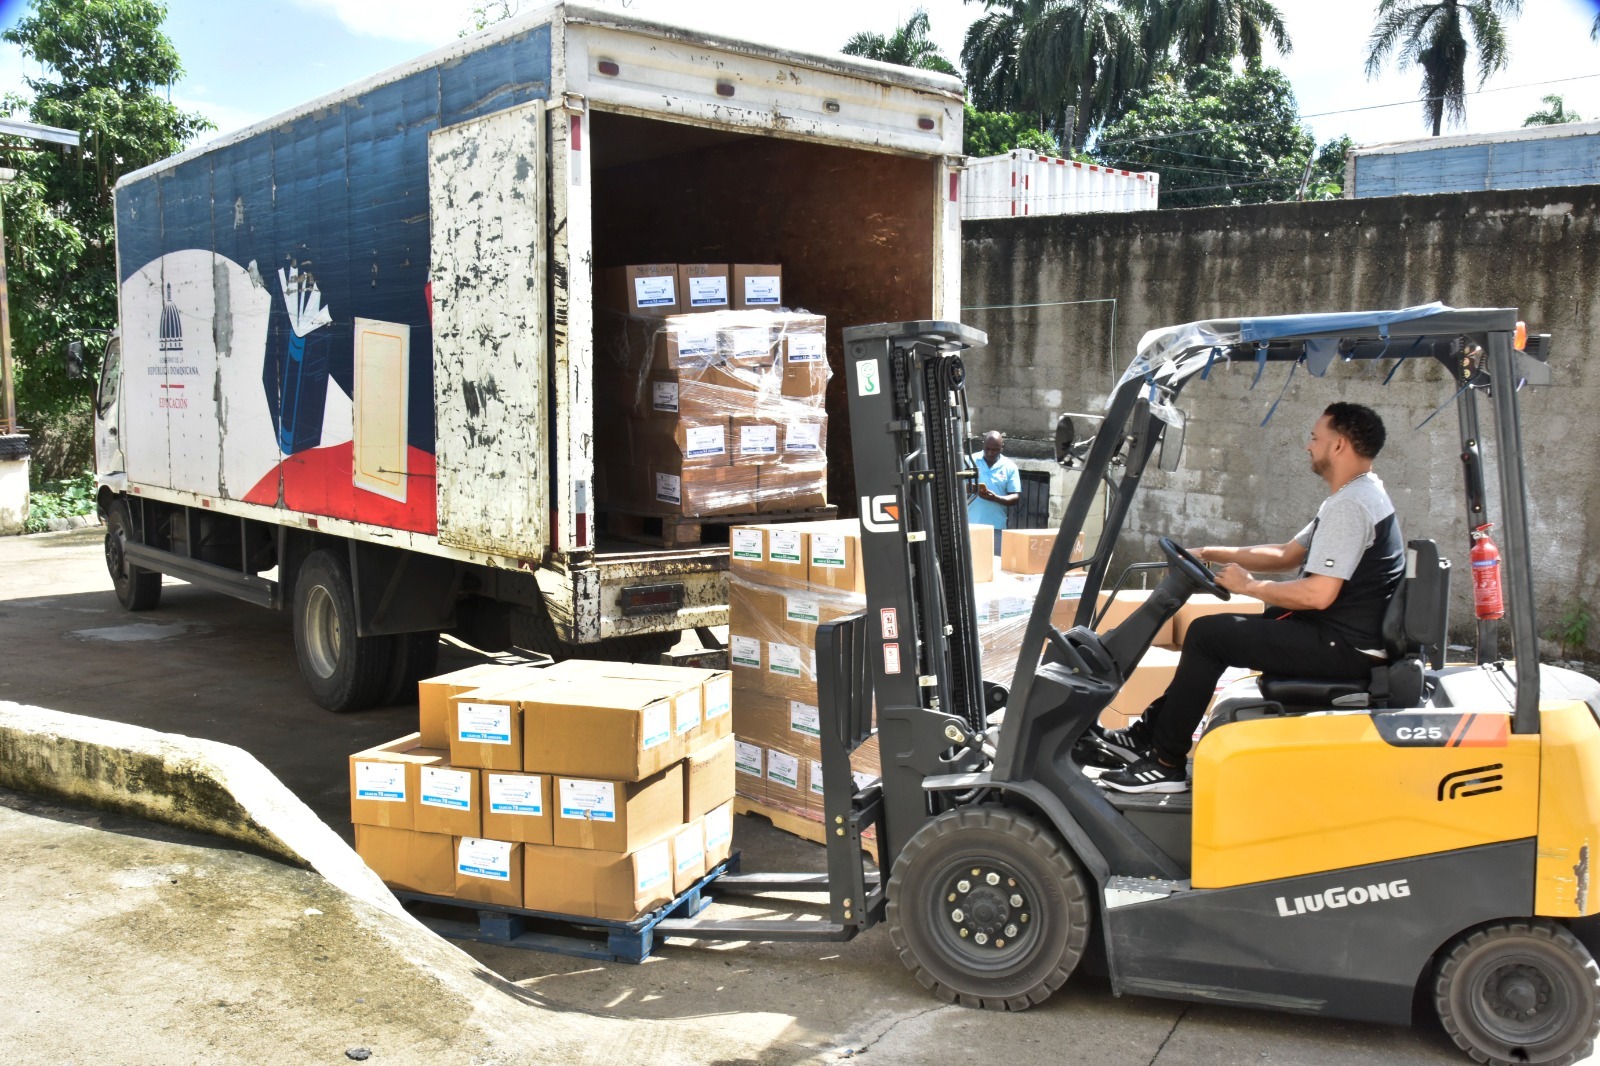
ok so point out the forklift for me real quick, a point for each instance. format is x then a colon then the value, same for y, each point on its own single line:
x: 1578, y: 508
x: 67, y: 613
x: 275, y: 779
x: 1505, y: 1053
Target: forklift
x: 1348, y: 848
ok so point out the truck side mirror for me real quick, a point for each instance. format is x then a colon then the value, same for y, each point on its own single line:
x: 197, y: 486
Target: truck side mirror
x: 1172, y: 442
x: 74, y: 359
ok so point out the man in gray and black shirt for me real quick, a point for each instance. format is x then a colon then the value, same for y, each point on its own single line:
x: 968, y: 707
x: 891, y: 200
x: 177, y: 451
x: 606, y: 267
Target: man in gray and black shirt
x: 1327, y: 622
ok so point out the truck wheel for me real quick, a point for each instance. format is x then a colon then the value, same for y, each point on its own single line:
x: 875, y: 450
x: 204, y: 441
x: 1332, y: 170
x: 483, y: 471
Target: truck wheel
x: 1520, y: 992
x: 345, y: 672
x: 988, y: 909
x: 138, y: 589
x: 413, y: 656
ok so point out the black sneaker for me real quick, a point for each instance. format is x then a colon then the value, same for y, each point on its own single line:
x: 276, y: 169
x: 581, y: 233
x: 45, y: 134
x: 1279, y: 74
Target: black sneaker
x: 1147, y: 775
x: 1130, y: 743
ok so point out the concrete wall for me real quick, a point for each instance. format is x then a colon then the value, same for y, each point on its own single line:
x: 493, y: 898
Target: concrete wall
x: 1538, y: 250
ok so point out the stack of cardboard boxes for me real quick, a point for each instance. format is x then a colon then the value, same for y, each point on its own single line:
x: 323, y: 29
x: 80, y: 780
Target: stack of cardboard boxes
x: 591, y: 789
x: 712, y: 399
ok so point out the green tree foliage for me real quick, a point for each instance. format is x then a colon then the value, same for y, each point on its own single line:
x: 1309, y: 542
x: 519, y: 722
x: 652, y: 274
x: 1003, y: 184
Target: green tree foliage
x: 106, y: 68
x: 1432, y: 35
x: 1218, y: 137
x: 908, y: 46
x: 1204, y: 31
x: 1553, y: 113
x: 997, y: 132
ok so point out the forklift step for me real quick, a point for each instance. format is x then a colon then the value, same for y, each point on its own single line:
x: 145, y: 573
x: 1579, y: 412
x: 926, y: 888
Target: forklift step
x: 1160, y: 802
x: 685, y: 531
x: 795, y: 825
x: 559, y: 934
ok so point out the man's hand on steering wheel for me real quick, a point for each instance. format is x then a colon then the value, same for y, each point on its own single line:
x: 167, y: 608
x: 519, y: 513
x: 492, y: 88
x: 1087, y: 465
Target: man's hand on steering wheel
x: 1234, y: 578
x: 1192, y: 568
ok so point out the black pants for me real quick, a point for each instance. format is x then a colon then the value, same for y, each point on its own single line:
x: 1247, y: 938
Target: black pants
x: 1289, y: 646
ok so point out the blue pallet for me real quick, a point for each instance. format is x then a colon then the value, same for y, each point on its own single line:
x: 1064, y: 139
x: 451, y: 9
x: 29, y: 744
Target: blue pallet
x: 563, y: 934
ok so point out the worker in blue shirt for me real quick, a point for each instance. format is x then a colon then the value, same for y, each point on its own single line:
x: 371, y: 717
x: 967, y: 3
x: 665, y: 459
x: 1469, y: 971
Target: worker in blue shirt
x: 996, y: 489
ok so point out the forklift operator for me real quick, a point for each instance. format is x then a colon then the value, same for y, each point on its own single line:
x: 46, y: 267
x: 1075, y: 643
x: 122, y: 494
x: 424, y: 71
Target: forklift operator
x: 1328, y: 622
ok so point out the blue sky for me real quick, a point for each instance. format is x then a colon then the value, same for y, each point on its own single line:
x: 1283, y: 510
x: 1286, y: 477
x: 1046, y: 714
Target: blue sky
x: 248, y: 61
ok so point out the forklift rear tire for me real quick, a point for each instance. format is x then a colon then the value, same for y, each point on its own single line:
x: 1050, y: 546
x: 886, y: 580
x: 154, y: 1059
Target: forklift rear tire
x: 137, y: 589
x: 1520, y: 993
x: 345, y: 672
x: 988, y: 909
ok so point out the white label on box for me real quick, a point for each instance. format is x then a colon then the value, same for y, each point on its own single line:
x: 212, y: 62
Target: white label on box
x: 747, y: 544
x: 686, y: 710
x: 689, y: 847
x: 655, y: 292
x: 696, y: 343
x: 862, y: 779
x: 784, y: 545
x: 709, y: 292
x: 701, y: 442
x: 719, y: 696
x: 1072, y: 586
x: 488, y: 859
x: 804, y: 718
x: 784, y: 659
x: 783, y: 768
x: 442, y: 787
x: 816, y: 778
x: 807, y: 347
x: 802, y: 608
x: 827, y: 549
x: 654, y: 865
x: 657, y: 722
x: 745, y: 651
x: 667, y: 488
x: 762, y: 289
x: 664, y: 396
x: 758, y: 440
x: 748, y: 343
x: 747, y: 758
x: 719, y: 827
x: 802, y: 437
x: 516, y: 794
x: 1013, y: 606
x: 587, y: 801
x: 483, y: 723
x: 381, y: 781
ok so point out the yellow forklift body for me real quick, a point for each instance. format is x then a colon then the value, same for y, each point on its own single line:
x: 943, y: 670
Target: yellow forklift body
x: 1284, y: 797
x: 1569, y: 810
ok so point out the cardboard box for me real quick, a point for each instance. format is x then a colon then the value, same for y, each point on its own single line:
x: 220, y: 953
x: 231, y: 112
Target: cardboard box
x: 598, y: 884
x: 805, y: 367
x: 1026, y: 551
x: 768, y: 549
x: 982, y: 553
x: 719, y: 834
x: 486, y: 730
x: 803, y: 440
x: 621, y: 730
x: 617, y: 815
x: 833, y: 555
x: 383, y: 782
x: 688, y: 856
x: 704, y: 287
x: 489, y: 871
x: 433, y: 699
x: 757, y: 286
x: 787, y: 787
x: 701, y: 394
x: 1201, y: 604
x: 754, y: 440
x: 750, y: 770
x: 791, y: 486
x: 649, y: 289
x: 1125, y: 604
x: 447, y: 801
x: 1148, y: 680
x: 516, y: 807
x: 708, y: 778
x: 661, y: 484
x: 701, y: 699
x: 416, y: 862
x: 751, y: 342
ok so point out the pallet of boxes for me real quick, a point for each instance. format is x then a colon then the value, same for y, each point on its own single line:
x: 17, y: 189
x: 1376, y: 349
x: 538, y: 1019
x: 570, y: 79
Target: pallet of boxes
x: 711, y: 398
x: 588, y: 790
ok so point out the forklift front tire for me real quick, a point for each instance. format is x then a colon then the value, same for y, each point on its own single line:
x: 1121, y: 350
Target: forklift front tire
x: 988, y: 908
x: 1520, y: 993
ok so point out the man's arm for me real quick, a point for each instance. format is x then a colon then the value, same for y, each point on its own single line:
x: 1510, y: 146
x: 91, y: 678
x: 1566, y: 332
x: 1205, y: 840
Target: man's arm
x: 1260, y: 558
x: 1314, y: 592
x: 1010, y: 483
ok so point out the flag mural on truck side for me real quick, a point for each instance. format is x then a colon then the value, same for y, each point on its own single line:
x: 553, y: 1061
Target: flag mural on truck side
x: 275, y: 303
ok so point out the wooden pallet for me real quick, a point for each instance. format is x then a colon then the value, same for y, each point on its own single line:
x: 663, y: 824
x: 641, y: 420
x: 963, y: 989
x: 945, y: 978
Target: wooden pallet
x: 683, y: 531
x: 795, y: 824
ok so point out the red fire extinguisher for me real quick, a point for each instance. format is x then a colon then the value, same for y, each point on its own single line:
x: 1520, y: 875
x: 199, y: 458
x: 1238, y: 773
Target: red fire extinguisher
x: 1486, y: 575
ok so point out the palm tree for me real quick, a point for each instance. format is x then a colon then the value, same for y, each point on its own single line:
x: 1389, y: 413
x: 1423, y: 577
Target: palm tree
x: 1432, y: 34
x: 1553, y: 113
x: 908, y: 46
x: 1204, y: 30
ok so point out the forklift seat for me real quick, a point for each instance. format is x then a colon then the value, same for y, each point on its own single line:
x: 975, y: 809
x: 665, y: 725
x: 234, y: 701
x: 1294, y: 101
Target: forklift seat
x: 1414, y: 628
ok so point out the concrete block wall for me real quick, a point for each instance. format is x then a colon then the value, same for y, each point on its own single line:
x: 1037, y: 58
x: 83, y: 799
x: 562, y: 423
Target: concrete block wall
x: 1077, y: 293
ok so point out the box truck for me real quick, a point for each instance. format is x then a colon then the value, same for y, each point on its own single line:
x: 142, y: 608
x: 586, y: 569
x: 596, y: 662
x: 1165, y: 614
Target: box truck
x: 355, y: 371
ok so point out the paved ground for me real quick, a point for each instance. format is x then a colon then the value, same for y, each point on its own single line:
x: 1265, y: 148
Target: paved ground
x: 90, y: 930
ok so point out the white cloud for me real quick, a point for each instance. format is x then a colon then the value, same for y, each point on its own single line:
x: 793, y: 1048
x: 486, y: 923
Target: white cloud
x: 431, y: 22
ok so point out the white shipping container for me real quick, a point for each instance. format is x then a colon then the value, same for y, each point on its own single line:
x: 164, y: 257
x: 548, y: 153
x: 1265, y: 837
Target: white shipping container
x: 1023, y: 182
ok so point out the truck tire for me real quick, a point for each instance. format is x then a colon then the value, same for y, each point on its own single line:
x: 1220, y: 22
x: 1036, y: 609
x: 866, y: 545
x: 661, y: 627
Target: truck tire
x: 345, y: 672
x: 1520, y: 992
x: 988, y: 909
x: 137, y: 589
x: 413, y: 657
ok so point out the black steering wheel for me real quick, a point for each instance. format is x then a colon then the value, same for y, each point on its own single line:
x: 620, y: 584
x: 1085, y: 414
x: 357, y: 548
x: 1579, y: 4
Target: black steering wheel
x: 1179, y: 559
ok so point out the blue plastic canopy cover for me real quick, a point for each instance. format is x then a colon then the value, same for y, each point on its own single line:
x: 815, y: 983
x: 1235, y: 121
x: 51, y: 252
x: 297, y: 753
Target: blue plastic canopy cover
x: 1173, y: 342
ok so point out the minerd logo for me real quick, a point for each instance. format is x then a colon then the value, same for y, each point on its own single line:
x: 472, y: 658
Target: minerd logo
x: 1334, y: 898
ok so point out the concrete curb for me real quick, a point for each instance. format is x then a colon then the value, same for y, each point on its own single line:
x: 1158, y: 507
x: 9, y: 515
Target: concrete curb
x: 196, y: 784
